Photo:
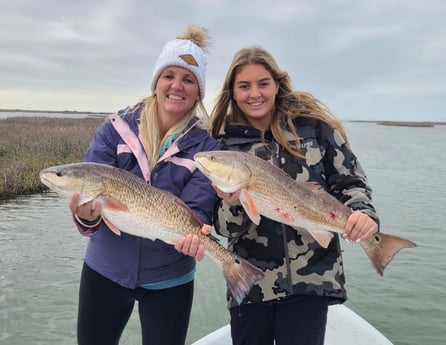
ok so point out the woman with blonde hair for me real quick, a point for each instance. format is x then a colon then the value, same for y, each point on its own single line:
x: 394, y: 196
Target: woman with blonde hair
x: 156, y: 140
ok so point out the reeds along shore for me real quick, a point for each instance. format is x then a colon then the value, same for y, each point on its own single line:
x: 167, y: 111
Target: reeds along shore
x: 29, y: 144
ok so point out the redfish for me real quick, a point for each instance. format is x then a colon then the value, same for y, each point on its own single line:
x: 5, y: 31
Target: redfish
x: 268, y: 191
x: 131, y: 205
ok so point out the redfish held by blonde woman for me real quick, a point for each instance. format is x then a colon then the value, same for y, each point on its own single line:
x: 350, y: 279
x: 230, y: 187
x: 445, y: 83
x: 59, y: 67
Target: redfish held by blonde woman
x: 131, y: 205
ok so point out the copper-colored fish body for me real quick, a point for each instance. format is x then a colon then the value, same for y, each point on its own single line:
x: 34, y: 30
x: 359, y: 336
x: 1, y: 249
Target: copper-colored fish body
x: 131, y: 205
x: 268, y: 191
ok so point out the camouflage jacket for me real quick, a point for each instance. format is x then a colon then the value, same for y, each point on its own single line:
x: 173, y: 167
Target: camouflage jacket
x: 293, y: 262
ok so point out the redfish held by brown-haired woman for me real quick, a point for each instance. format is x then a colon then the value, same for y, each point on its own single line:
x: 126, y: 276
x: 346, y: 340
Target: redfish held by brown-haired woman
x: 267, y: 191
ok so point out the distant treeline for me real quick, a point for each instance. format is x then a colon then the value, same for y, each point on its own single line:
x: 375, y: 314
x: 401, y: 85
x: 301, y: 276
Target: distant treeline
x: 405, y: 123
x: 410, y: 124
x: 29, y: 144
x: 52, y: 111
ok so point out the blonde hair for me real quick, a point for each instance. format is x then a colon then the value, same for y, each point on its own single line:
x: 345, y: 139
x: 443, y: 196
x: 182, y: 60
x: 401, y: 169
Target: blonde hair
x: 149, y: 125
x: 289, y: 104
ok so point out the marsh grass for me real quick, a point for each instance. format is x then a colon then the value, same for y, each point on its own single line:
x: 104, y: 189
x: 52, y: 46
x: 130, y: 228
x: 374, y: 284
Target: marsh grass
x: 29, y: 144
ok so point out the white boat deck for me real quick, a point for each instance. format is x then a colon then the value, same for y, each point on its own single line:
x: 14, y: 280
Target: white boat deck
x: 344, y: 326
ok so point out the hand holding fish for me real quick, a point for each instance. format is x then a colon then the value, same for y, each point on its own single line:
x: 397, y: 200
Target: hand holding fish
x: 190, y: 244
x: 90, y: 210
x: 229, y: 197
x: 264, y: 190
x: 359, y: 227
x: 129, y: 204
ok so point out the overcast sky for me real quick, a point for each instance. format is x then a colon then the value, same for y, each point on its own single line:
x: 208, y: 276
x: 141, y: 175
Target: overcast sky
x: 369, y: 60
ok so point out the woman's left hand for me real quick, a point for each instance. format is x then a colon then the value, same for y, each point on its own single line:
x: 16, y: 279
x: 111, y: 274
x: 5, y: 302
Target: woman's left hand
x: 190, y: 244
x: 359, y: 227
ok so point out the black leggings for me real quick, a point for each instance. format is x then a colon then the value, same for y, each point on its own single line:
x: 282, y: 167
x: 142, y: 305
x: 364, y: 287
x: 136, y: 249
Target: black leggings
x: 105, y: 308
x: 299, y: 321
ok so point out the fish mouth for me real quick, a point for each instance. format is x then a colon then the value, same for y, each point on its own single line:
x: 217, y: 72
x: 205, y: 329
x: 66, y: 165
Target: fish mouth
x: 200, y: 167
x: 53, y: 187
x: 43, y: 178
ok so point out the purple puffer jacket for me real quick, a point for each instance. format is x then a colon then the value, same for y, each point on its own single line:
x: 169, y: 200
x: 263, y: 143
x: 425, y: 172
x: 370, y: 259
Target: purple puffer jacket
x: 132, y: 261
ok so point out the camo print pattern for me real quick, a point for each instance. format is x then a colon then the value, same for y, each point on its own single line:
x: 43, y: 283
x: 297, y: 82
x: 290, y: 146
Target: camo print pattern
x: 293, y: 262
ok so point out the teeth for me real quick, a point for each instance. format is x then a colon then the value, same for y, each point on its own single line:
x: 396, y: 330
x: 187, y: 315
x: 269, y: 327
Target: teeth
x: 255, y: 103
x: 175, y: 97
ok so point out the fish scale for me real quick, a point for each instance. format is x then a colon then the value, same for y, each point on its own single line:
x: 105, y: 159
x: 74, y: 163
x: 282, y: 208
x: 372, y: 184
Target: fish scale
x: 131, y: 205
x: 266, y: 190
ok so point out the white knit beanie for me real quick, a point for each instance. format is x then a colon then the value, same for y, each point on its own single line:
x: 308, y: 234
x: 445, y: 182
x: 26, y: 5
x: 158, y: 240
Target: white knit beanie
x: 183, y: 53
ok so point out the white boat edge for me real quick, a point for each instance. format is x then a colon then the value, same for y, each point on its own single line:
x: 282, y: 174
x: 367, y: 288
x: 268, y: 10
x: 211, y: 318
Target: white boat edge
x: 344, y: 326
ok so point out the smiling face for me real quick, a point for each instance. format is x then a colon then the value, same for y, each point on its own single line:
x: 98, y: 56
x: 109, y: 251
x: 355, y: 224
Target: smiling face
x: 255, y: 91
x: 177, y: 92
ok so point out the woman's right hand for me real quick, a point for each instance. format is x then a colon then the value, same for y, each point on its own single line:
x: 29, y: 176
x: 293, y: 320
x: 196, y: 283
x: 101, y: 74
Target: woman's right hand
x: 229, y: 197
x: 89, y: 211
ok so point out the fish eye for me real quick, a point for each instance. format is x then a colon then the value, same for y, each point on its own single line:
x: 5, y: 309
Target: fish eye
x: 59, y: 174
x: 212, y: 158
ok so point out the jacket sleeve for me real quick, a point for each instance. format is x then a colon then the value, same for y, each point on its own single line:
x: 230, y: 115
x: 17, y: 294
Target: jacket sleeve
x: 231, y: 220
x: 345, y: 177
x: 102, y: 148
x: 85, y: 229
x: 198, y: 193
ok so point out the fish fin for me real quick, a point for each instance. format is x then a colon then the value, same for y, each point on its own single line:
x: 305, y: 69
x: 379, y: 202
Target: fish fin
x: 323, y: 194
x: 214, y: 238
x: 313, y: 187
x: 249, y: 206
x: 240, y: 276
x: 84, y: 200
x: 321, y: 236
x: 382, y: 248
x: 111, y: 226
x: 113, y: 204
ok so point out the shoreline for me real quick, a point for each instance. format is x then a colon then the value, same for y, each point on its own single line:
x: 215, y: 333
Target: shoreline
x: 104, y: 113
x: 404, y: 123
x: 54, y: 111
x: 29, y: 144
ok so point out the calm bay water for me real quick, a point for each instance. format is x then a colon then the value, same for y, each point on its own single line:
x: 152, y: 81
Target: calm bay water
x: 41, y: 253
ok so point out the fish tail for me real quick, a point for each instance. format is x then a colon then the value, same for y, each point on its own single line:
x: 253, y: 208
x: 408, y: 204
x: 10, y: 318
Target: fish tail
x: 240, y: 276
x: 381, y: 249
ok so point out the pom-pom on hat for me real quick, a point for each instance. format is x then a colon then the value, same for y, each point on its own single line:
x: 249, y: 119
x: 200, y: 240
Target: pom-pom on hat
x: 183, y: 53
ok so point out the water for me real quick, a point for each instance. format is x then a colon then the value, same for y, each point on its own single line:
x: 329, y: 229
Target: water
x: 41, y: 253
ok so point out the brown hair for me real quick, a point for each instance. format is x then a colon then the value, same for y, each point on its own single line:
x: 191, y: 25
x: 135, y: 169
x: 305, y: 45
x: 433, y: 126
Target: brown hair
x: 289, y: 104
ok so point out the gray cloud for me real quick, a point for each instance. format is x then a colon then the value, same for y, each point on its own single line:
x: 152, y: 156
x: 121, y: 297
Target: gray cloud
x: 363, y: 59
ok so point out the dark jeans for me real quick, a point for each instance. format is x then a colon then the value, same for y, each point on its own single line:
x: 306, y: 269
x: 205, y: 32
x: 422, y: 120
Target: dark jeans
x: 105, y: 308
x: 300, y: 320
